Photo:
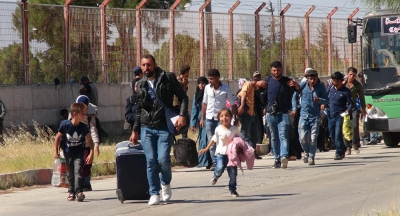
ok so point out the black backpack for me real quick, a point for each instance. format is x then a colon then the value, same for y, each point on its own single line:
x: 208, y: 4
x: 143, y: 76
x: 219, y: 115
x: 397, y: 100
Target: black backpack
x: 102, y: 133
x: 185, y: 152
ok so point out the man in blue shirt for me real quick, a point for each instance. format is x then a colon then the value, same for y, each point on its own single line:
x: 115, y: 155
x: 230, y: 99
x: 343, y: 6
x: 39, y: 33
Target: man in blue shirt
x: 278, y: 106
x: 339, y: 102
x: 313, y: 94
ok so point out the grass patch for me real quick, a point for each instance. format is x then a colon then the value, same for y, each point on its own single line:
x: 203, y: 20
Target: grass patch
x: 24, y: 149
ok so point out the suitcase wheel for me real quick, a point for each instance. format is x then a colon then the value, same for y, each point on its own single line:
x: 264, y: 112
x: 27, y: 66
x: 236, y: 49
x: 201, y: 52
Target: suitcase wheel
x: 120, y: 196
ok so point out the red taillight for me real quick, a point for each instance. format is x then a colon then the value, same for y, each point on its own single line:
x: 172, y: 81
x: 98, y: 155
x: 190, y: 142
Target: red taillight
x: 369, y: 106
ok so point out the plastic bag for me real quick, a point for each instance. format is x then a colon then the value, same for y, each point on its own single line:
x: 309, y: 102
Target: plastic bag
x: 347, y: 129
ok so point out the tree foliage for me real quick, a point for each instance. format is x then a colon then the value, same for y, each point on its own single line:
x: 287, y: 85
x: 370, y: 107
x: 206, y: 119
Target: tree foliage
x: 373, y: 4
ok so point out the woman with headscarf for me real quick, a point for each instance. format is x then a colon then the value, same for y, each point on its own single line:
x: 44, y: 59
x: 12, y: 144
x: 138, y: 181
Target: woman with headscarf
x: 204, y: 159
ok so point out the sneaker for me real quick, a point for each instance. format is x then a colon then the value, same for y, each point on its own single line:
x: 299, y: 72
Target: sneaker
x: 166, y: 192
x: 234, y: 193
x: 277, y: 164
x: 356, y: 149
x: 154, y: 200
x: 348, y: 151
x: 87, y: 187
x: 305, y: 157
x: 214, y: 180
x: 80, y: 197
x: 284, y: 162
x: 213, y: 167
x: 258, y: 157
x: 311, y: 162
x: 337, y: 157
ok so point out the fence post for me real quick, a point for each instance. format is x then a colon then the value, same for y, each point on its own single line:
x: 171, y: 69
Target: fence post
x: 25, y: 41
x: 139, y: 31
x: 307, y: 37
x: 202, y: 39
x: 230, y: 41
x: 349, y: 22
x: 258, y: 36
x: 103, y: 30
x: 172, y: 37
x: 67, y: 57
x: 329, y: 39
x: 283, y: 33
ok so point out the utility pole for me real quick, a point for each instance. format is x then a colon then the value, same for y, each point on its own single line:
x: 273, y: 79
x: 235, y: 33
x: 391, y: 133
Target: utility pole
x: 209, y: 38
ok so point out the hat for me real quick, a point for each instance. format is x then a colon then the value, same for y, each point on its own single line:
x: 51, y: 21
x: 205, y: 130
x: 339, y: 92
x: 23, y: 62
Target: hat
x: 84, y: 78
x: 312, y: 73
x: 307, y: 69
x: 137, y: 71
x: 241, y: 82
x: 82, y: 99
x: 256, y: 74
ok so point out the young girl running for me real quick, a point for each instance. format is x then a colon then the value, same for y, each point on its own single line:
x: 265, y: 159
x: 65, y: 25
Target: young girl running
x: 224, y: 133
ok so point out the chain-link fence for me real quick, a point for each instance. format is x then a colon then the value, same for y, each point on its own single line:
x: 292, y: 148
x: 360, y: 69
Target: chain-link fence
x: 69, y: 53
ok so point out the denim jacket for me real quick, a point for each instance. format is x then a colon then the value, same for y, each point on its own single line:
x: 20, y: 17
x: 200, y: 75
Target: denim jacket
x: 309, y: 108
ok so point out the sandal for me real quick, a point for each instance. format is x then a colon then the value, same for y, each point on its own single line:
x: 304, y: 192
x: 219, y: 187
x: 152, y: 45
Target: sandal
x: 71, y: 197
x: 81, y: 197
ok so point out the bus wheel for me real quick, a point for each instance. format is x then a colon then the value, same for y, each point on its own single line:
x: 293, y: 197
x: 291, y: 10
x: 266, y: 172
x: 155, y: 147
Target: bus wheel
x: 391, y: 138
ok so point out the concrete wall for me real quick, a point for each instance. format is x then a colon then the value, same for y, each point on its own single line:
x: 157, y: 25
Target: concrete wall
x: 43, y: 103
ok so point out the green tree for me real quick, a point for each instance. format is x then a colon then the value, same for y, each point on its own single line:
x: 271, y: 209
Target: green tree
x: 392, y: 4
x: 11, y: 69
x: 85, y: 35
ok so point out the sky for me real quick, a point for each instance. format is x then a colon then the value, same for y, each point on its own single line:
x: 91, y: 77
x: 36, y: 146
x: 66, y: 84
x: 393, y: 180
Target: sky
x: 298, y: 7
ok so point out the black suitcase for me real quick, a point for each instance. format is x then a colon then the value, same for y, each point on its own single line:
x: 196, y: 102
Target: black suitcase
x: 132, y: 181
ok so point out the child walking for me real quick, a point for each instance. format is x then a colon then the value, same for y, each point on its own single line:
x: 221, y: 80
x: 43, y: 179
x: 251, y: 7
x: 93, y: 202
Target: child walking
x: 224, y: 133
x: 71, y: 137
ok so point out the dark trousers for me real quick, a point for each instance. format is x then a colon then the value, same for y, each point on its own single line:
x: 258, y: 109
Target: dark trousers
x: 86, y: 169
x: 74, y: 164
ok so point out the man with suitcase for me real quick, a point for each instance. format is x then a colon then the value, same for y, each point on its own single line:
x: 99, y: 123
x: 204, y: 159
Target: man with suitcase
x: 150, y: 115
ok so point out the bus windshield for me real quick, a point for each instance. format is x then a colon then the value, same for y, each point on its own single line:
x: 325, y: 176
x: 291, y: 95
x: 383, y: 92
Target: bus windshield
x: 381, y: 52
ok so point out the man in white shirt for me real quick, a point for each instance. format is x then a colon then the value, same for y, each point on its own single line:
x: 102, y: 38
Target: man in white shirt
x: 215, y: 96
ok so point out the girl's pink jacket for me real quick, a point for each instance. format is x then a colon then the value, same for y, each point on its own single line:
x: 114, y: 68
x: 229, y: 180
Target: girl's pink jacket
x: 239, y: 151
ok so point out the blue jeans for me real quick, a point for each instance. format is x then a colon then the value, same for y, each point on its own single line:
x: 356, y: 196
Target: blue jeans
x: 335, y: 132
x: 222, y: 161
x: 211, y: 124
x: 74, y: 164
x: 250, y: 129
x: 157, y: 148
x: 279, y: 126
x: 308, y: 134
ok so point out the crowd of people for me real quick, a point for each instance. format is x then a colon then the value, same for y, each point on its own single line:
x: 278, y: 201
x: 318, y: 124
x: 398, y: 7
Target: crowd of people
x: 291, y: 114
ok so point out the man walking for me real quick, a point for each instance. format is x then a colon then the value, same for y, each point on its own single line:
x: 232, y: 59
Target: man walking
x: 312, y: 94
x: 150, y: 116
x: 250, y: 128
x: 2, y: 115
x: 215, y: 97
x: 90, y: 90
x: 339, y: 102
x: 278, y: 105
x: 357, y: 92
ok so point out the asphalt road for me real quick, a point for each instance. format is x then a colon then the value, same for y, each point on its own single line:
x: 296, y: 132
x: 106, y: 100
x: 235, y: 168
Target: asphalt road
x: 363, y: 184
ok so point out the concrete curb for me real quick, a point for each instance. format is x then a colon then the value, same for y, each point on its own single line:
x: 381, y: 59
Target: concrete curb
x: 39, y: 176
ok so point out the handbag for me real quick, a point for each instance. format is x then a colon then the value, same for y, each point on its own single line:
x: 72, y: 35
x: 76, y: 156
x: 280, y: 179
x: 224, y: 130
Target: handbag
x: 172, y: 114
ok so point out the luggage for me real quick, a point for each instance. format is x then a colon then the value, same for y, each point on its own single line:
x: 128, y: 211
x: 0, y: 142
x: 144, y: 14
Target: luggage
x: 131, y: 169
x: 185, y: 152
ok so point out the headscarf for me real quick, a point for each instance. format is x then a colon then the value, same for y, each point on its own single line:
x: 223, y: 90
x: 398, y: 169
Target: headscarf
x: 200, y: 93
x: 241, y: 82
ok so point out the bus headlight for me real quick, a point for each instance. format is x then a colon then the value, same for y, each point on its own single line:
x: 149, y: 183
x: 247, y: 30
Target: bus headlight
x: 375, y: 113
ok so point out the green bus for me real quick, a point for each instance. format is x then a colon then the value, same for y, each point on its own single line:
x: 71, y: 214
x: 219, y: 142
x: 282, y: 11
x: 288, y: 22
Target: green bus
x: 381, y: 66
